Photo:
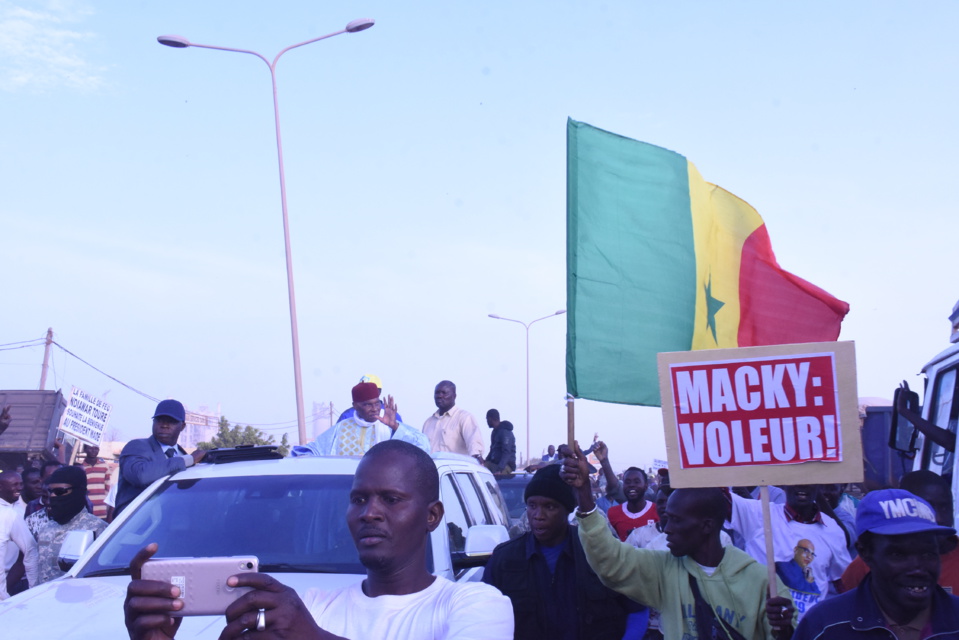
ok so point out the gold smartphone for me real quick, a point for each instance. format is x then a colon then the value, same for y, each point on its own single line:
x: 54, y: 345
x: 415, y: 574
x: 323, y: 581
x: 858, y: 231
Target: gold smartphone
x: 202, y: 581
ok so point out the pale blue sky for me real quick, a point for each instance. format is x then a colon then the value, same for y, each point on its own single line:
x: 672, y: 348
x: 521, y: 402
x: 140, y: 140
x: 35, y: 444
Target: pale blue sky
x: 426, y: 179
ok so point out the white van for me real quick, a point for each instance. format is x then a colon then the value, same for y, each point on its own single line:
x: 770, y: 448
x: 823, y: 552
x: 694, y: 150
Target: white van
x: 940, y: 407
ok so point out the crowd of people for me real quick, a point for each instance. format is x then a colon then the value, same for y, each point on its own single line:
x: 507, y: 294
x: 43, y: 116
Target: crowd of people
x: 601, y: 555
x: 39, y: 505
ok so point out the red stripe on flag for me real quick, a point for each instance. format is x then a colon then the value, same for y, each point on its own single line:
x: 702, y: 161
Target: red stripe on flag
x: 777, y: 307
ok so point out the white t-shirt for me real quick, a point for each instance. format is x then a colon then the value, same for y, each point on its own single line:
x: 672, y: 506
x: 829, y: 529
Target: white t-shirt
x: 13, y: 551
x: 14, y: 534
x: 827, y: 540
x: 443, y: 611
x: 650, y: 537
x: 111, y: 499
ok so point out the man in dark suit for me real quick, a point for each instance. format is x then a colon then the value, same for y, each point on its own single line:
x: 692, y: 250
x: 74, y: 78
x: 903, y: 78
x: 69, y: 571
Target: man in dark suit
x: 143, y: 461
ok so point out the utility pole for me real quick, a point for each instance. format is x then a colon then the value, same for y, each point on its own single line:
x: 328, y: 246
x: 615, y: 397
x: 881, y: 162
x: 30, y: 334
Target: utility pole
x: 46, y: 359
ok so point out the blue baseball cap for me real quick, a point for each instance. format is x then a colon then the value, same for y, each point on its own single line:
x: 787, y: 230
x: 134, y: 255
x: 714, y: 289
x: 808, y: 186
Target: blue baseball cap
x: 894, y: 512
x: 171, y: 409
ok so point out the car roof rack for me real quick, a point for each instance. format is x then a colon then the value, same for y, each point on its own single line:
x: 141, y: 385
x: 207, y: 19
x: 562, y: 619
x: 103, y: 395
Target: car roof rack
x: 243, y: 453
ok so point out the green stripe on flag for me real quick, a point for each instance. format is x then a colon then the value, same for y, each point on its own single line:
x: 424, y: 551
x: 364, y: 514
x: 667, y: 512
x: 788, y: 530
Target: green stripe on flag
x: 631, y: 264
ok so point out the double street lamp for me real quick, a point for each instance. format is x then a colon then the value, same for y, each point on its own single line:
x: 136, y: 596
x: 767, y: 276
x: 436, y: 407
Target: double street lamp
x: 179, y: 42
x: 527, y: 325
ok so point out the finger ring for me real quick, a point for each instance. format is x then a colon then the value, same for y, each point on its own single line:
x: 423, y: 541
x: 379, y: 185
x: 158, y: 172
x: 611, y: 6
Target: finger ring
x: 261, y: 620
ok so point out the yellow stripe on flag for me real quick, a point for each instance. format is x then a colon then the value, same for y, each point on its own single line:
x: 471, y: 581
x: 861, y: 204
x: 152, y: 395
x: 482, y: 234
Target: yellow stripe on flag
x: 721, y: 224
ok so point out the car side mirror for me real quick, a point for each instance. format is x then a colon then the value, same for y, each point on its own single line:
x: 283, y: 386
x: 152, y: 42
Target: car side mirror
x: 902, y: 433
x: 74, y: 545
x: 480, y: 542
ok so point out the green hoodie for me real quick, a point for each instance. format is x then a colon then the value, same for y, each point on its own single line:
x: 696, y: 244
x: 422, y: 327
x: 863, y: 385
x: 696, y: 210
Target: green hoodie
x: 737, y: 590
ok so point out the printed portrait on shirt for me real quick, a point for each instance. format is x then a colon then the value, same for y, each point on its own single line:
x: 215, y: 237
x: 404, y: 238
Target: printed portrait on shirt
x: 798, y: 577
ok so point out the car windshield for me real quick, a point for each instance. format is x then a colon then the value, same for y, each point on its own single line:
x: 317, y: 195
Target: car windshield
x: 513, y: 490
x: 294, y: 523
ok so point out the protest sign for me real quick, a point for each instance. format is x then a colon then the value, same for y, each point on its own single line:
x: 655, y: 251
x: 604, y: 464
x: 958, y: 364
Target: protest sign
x: 780, y: 414
x: 85, y: 417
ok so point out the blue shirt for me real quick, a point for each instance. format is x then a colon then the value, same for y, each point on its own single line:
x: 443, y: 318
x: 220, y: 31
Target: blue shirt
x: 555, y: 575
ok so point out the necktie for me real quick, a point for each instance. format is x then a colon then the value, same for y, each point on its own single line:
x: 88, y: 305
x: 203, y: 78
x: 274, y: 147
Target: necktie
x: 170, y: 452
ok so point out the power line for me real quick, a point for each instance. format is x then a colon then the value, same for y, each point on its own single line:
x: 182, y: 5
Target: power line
x: 273, y: 426
x: 24, y: 344
x: 101, y: 371
x: 36, y: 341
x: 277, y: 426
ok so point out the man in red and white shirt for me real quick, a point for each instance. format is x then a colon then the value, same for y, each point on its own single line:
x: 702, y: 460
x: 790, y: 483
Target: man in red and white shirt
x: 98, y: 476
x: 637, y: 510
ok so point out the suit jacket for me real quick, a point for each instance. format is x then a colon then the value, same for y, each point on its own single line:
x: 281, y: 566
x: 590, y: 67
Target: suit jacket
x: 141, y: 462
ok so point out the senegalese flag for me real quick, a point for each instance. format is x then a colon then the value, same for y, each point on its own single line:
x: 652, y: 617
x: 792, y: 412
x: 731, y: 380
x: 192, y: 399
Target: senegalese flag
x: 659, y: 260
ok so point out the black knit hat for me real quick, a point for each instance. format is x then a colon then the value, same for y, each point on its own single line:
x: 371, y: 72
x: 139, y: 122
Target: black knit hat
x: 547, y: 484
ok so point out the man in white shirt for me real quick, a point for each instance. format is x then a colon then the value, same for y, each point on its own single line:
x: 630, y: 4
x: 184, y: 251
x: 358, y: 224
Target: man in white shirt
x: 452, y: 428
x: 16, y: 573
x: 800, y: 532
x: 14, y: 532
x: 11, y: 493
x: 394, y: 505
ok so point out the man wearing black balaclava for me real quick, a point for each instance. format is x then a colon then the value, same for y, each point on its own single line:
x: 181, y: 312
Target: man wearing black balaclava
x: 68, y: 500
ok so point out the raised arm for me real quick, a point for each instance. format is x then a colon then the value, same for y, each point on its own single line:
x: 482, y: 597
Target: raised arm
x: 943, y: 437
x: 614, y: 488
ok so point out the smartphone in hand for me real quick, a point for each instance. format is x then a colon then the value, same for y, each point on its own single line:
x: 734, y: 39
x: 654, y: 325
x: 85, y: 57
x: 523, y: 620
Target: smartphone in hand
x: 202, y: 581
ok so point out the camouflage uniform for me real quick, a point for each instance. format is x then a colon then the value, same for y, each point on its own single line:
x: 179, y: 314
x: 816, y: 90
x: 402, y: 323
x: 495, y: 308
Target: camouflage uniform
x: 36, y: 520
x: 51, y: 535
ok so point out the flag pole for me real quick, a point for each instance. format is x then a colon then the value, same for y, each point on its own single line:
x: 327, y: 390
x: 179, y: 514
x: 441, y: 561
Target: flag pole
x: 570, y: 421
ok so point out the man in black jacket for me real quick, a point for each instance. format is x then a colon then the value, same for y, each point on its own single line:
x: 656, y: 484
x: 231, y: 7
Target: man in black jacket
x: 544, y: 573
x: 502, y: 445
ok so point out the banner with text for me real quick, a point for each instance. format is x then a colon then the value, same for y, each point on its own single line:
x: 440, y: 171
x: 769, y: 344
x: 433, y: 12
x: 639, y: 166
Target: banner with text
x: 761, y: 408
x: 85, y: 417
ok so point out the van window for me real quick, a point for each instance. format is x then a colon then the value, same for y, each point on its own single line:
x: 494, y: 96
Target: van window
x: 456, y: 522
x: 479, y: 514
x: 943, y: 413
x: 498, y: 506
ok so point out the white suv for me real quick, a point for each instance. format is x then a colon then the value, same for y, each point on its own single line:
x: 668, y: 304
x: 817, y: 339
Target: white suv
x: 289, y: 512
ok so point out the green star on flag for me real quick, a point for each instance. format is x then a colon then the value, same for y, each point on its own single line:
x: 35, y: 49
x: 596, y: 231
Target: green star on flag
x: 713, y: 305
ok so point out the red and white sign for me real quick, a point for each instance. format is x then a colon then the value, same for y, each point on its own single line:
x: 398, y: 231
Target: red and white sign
x: 774, y: 410
x: 776, y: 414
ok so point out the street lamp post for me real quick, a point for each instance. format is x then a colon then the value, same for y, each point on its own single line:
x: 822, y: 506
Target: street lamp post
x: 179, y: 42
x: 527, y: 325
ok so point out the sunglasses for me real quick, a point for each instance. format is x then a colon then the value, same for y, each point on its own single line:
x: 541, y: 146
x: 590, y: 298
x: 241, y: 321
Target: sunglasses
x: 61, y: 491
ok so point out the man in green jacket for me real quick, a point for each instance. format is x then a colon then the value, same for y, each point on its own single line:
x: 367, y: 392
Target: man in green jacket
x: 701, y: 589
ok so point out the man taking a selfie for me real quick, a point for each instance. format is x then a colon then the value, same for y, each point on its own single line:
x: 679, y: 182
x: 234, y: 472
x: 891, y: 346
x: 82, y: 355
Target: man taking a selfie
x: 394, y: 505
